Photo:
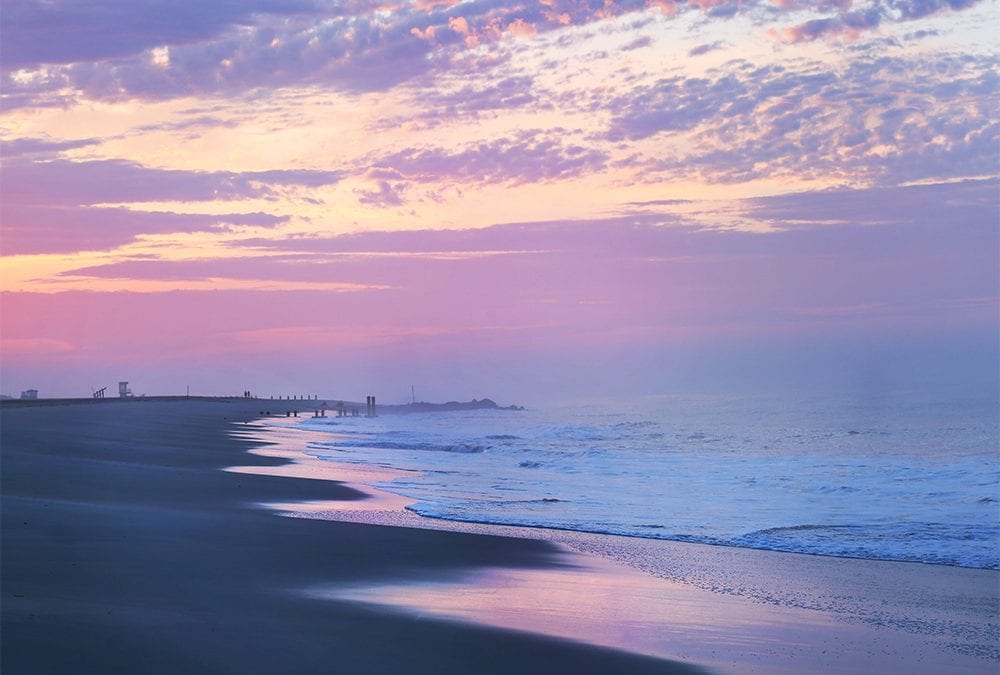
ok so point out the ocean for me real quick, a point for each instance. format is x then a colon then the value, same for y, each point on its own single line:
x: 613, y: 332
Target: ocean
x: 906, y: 477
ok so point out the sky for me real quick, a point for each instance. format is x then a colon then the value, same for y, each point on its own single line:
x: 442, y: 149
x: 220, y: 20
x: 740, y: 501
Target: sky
x: 529, y: 201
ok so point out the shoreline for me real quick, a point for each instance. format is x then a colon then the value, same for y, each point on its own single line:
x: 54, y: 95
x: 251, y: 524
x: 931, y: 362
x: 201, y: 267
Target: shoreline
x: 360, y: 479
x: 766, y: 578
x: 127, y: 548
x: 909, y: 490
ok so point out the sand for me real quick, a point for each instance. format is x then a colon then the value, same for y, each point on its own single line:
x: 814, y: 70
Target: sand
x: 127, y: 548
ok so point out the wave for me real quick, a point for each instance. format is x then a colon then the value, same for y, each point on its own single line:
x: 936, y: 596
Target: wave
x: 859, y: 476
x: 834, y: 549
x: 464, y: 448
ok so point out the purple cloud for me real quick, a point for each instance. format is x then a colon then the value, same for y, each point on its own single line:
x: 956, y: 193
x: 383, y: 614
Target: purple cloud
x: 970, y: 203
x: 869, y: 16
x: 933, y: 119
x: 40, y: 229
x: 878, y: 214
x: 104, y: 49
x: 528, y: 156
x: 47, y: 206
x: 638, y: 43
x: 41, y: 146
x: 285, y: 268
x: 434, y: 108
x: 509, y: 237
x: 388, y: 194
x: 197, y: 122
x: 64, y: 182
x: 706, y: 48
x: 64, y: 31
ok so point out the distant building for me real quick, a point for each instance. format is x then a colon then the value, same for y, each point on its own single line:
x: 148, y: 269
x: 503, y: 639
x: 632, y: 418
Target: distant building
x: 29, y: 393
x: 123, y: 390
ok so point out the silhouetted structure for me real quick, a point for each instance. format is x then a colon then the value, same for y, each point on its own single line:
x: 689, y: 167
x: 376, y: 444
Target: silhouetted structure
x: 100, y: 392
x: 370, y: 402
x: 29, y: 393
x: 123, y: 390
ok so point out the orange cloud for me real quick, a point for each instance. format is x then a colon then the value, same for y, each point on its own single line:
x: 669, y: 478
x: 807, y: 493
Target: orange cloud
x: 426, y: 34
x: 521, y: 27
x: 459, y: 24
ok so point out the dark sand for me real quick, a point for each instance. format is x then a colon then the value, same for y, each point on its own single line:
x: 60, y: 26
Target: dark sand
x: 125, y: 549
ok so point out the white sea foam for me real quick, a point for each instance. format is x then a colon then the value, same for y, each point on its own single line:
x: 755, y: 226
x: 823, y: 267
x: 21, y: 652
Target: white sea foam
x: 898, y: 479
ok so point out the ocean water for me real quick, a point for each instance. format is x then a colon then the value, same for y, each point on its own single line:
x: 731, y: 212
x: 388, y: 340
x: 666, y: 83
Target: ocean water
x: 900, y: 478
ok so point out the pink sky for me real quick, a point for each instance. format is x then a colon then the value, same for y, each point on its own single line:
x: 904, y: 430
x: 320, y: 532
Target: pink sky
x: 498, y: 199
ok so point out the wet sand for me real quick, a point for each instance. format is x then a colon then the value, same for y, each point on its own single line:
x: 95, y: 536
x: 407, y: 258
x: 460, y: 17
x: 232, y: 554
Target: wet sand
x: 126, y: 549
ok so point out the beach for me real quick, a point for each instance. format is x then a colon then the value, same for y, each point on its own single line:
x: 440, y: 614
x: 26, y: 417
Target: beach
x: 127, y: 546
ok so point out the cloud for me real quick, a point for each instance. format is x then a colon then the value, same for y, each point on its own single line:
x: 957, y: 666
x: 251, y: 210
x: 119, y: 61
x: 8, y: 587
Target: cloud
x: 359, y: 48
x: 921, y: 34
x: 526, y: 157
x: 379, y: 270
x: 153, y: 49
x: 42, y: 229
x: 659, y: 202
x: 964, y: 204
x: 706, y: 48
x: 630, y: 293
x: 107, y: 29
x: 388, y: 194
x: 65, y: 182
x: 508, y: 93
x: 49, y: 206
x: 638, y: 43
x: 886, y: 120
x: 851, y: 20
x: 605, y: 275
x: 196, y: 122
x: 841, y: 221
x: 41, y: 147
x: 434, y: 107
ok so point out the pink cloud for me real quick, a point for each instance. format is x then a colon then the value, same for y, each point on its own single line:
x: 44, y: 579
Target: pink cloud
x: 521, y: 28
